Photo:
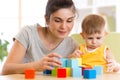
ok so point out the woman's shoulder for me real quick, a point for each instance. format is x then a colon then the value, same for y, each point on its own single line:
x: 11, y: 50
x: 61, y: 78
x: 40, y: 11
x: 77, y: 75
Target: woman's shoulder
x: 31, y: 28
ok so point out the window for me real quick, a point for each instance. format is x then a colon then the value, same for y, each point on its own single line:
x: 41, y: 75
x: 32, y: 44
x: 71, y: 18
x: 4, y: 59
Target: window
x: 110, y: 9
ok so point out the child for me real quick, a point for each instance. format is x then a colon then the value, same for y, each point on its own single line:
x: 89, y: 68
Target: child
x: 93, y: 52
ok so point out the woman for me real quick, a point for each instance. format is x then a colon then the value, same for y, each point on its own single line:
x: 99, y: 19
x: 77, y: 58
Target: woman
x: 36, y: 47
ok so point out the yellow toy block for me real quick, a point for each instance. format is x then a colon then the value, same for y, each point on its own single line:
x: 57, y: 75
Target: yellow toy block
x: 68, y: 71
x: 79, y: 61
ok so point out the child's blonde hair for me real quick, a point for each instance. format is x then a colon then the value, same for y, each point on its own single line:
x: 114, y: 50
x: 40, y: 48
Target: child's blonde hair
x: 93, y: 23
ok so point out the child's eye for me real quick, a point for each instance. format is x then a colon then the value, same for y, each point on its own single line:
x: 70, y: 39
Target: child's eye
x: 98, y: 37
x: 90, y: 38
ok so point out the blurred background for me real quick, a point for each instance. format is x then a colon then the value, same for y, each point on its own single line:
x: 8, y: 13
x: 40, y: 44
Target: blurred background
x: 15, y: 14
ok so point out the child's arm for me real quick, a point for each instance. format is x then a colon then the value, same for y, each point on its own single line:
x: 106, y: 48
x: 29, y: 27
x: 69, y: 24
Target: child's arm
x: 76, y: 54
x: 113, y: 66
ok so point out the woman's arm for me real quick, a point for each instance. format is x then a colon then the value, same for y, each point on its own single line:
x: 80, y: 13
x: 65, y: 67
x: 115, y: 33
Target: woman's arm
x: 14, y: 63
x: 14, y: 59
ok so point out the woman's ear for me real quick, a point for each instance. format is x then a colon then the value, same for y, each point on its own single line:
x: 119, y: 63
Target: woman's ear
x: 46, y: 19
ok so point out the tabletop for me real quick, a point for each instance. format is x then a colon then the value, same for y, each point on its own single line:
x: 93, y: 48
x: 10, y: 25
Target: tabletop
x: 39, y: 76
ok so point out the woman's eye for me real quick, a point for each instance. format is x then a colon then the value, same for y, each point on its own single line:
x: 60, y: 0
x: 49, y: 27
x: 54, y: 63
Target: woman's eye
x: 70, y: 20
x: 57, y: 20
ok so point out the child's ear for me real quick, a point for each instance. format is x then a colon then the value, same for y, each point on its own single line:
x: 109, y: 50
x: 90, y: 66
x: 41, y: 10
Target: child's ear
x: 106, y: 33
x: 82, y: 35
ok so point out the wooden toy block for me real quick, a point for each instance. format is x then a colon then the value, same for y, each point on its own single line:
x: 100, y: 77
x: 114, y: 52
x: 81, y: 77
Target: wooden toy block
x: 77, y: 72
x: 64, y: 62
x: 47, y: 72
x: 61, y: 72
x: 68, y: 72
x: 87, y: 67
x: 29, y: 74
x: 99, y: 70
x: 73, y: 63
x: 89, y: 74
x: 79, y: 61
x: 54, y: 72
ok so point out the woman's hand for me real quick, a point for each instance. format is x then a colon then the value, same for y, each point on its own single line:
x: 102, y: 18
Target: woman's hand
x: 49, y: 62
x: 76, y: 54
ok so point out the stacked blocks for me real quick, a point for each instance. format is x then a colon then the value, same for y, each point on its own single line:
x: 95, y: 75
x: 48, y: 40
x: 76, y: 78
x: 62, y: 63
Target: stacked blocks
x: 29, y: 74
x: 73, y: 67
x: 70, y: 67
x: 89, y: 74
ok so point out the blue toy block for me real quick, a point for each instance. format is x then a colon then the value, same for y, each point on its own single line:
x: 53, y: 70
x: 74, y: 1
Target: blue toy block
x: 68, y: 62
x: 89, y: 74
x: 99, y: 70
x: 64, y: 62
x: 77, y: 72
x: 73, y: 63
x: 47, y: 72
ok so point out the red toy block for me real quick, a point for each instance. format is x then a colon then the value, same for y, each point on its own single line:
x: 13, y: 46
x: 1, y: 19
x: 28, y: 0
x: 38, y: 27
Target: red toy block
x: 30, y: 74
x: 61, y: 73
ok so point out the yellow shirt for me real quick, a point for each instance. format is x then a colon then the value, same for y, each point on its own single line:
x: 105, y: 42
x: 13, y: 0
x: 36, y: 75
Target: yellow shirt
x: 92, y: 58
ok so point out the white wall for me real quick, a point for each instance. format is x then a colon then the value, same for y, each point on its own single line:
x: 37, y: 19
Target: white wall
x: 8, y: 19
x: 33, y: 11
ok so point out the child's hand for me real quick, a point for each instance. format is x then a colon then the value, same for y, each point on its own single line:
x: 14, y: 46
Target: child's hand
x: 76, y: 54
x: 113, y: 66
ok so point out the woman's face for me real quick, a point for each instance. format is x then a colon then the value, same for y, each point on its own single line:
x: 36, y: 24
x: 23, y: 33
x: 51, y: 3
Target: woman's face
x: 61, y: 22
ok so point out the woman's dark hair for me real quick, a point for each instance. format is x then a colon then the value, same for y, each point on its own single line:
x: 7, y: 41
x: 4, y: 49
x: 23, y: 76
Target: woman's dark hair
x: 54, y: 5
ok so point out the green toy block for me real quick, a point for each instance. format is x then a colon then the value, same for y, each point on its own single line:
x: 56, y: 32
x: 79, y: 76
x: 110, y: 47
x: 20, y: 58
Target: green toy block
x: 54, y: 72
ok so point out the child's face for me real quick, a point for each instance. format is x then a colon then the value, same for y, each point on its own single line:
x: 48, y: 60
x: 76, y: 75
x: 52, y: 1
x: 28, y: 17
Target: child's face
x: 94, y: 41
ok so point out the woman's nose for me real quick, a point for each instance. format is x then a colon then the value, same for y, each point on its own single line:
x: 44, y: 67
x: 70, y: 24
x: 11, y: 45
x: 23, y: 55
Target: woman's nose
x: 63, y: 25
